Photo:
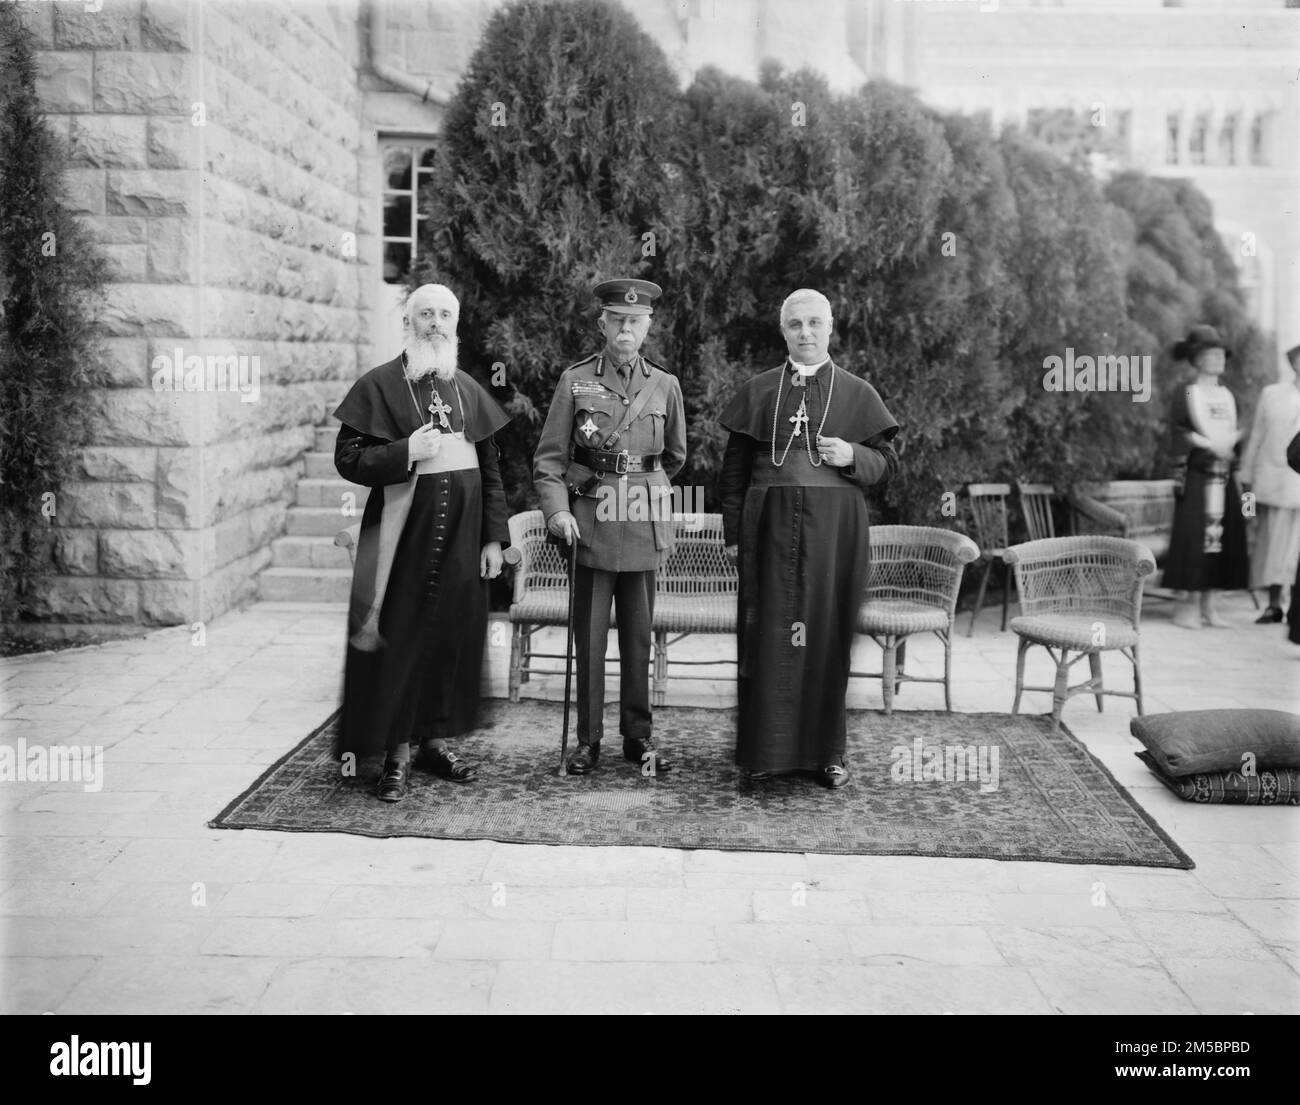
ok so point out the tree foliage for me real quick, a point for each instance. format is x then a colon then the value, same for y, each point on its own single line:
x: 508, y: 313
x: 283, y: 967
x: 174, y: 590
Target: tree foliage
x: 50, y: 279
x: 956, y: 260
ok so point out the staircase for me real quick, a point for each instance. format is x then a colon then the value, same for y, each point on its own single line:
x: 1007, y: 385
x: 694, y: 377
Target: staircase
x: 306, y: 565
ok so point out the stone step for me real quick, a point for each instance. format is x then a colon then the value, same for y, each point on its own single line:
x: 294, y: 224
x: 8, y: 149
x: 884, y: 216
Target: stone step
x: 326, y: 436
x: 333, y: 492
x: 305, y: 584
x: 317, y: 521
x: 308, y: 552
x: 320, y: 466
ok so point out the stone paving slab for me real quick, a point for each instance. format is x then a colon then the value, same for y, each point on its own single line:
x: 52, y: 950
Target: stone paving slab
x: 124, y: 901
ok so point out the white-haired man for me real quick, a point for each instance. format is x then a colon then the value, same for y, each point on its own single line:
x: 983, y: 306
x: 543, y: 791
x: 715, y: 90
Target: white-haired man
x: 419, y: 433
x: 806, y: 441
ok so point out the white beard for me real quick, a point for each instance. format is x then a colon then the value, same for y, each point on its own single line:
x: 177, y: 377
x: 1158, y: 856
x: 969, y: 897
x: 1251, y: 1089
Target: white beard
x: 425, y: 356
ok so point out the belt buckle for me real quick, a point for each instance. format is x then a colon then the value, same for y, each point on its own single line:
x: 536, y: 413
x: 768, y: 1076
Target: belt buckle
x: 621, y: 462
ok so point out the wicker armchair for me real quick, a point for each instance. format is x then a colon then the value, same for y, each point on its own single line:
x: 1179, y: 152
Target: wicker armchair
x: 1079, y: 596
x: 696, y: 591
x: 912, y: 587
x: 541, y: 594
x: 988, y: 505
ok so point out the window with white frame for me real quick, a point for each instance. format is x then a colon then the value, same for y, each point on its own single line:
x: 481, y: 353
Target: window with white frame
x: 406, y: 165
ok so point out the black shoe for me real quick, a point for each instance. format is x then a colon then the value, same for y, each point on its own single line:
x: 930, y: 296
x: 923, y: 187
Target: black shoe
x: 447, y: 765
x: 833, y: 776
x: 1270, y: 616
x: 584, y: 760
x: 635, y: 750
x: 392, y: 783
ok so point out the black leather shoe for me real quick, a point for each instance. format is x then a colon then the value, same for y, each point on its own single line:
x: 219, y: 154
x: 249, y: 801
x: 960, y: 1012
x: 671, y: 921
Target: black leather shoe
x: 447, y: 765
x: 1271, y: 615
x: 833, y: 776
x: 584, y: 759
x: 392, y: 783
x: 635, y: 751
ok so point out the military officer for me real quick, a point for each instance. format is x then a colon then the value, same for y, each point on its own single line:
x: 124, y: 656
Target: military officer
x: 614, y: 437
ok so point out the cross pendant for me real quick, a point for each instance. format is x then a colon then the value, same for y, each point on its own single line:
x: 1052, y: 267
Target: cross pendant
x: 799, y: 418
x: 440, y: 409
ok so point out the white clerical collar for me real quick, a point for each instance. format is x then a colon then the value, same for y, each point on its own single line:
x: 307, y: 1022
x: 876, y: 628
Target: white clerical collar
x: 808, y: 369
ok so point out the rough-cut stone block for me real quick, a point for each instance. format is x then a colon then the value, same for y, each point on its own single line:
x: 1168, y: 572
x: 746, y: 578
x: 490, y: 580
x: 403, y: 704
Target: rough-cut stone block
x: 129, y: 262
x: 143, y: 84
x: 119, y: 229
x: 141, y: 416
x: 84, y: 190
x: 76, y: 552
x: 115, y: 26
x: 173, y: 142
x: 64, y: 81
x: 118, y: 464
x: 153, y: 192
x: 166, y: 25
x: 171, y: 602
x: 125, y: 363
x: 79, y: 599
x: 105, y: 505
x: 145, y: 310
x: 108, y: 141
x: 39, y: 20
x: 173, y: 257
x: 153, y: 554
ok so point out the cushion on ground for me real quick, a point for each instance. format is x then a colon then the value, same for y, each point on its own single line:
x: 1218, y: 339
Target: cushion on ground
x: 1267, y: 787
x: 1194, y: 741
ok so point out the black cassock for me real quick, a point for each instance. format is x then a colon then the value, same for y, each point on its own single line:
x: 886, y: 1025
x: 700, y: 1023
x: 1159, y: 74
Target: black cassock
x: 802, y: 536
x: 419, y: 677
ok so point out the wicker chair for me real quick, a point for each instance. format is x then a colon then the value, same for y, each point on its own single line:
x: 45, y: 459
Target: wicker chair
x: 696, y: 591
x: 541, y: 595
x: 1079, y: 596
x: 912, y: 587
x: 1036, y: 508
x: 988, y: 504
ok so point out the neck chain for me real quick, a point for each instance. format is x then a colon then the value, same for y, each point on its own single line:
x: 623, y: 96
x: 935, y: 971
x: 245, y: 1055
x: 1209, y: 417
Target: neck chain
x: 816, y: 462
x: 434, y: 398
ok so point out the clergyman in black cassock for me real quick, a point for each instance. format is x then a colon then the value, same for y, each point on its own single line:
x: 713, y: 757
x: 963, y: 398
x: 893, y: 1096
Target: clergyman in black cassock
x: 806, y: 441
x: 431, y: 535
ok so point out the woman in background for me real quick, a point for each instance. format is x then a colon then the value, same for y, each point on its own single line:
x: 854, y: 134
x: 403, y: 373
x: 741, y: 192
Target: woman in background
x: 1207, y: 549
x: 1277, y: 489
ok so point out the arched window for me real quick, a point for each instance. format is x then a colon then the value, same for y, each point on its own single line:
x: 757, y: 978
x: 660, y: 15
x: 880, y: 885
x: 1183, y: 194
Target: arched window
x: 1228, y: 141
x: 1196, y: 141
x: 1172, y: 132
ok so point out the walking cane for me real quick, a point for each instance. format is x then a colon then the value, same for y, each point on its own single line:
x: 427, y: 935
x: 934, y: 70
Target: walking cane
x: 570, y: 552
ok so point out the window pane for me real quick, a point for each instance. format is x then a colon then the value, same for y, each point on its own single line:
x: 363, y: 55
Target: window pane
x: 397, y: 262
x: 397, y: 216
x: 397, y: 166
x: 427, y: 157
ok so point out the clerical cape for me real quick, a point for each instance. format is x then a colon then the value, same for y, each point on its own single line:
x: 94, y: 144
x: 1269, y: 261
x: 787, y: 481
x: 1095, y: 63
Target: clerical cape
x: 417, y: 618
x: 801, y: 530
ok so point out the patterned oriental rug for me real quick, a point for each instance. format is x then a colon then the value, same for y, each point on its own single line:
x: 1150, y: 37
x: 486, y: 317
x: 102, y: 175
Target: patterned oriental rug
x: 924, y: 784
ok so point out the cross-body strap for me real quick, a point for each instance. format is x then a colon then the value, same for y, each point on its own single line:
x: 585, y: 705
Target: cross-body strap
x: 638, y: 405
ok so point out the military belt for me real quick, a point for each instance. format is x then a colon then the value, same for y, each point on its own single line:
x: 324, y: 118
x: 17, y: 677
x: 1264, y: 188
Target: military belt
x: 620, y: 463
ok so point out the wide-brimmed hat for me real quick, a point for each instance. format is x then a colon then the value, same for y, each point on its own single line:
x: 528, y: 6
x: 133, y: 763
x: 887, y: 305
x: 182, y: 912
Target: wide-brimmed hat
x: 1198, y: 340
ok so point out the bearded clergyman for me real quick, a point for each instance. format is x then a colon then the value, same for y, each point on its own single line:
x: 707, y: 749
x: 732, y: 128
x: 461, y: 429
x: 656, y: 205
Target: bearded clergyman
x: 807, y: 439
x: 419, y: 433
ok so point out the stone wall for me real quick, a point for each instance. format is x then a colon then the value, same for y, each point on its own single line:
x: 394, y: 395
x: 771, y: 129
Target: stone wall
x: 215, y: 158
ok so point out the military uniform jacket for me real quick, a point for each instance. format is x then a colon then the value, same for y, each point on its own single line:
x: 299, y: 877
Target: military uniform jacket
x: 625, y: 521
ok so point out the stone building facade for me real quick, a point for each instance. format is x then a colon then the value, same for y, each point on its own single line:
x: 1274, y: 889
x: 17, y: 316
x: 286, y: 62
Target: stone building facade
x: 252, y: 168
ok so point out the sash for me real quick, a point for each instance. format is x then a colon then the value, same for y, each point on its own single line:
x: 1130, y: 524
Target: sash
x: 456, y: 454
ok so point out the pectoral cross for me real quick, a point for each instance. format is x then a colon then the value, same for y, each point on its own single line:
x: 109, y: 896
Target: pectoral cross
x: 799, y: 418
x: 440, y: 410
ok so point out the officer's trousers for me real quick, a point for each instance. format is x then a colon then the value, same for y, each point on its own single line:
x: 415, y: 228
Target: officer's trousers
x: 634, y: 592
